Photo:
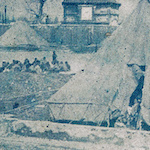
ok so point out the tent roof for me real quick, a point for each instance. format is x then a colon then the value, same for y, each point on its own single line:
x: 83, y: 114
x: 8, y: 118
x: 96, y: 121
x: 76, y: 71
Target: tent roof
x: 106, y: 81
x: 131, y: 39
x: 145, y: 109
x: 21, y: 34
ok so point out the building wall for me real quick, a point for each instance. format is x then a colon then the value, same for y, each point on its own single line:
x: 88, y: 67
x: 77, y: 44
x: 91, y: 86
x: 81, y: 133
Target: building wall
x: 48, y: 32
x: 71, y: 13
x: 102, y: 14
x: 75, y: 35
x: 70, y: 35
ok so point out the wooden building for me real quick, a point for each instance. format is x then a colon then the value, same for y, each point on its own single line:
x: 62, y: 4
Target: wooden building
x: 91, y: 11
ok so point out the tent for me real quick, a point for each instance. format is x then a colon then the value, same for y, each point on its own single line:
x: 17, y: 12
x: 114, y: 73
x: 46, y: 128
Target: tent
x: 145, y: 106
x: 22, y: 36
x: 106, y: 83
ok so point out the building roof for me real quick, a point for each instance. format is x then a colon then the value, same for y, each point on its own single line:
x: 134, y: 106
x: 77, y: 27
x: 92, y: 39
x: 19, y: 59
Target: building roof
x: 91, y: 1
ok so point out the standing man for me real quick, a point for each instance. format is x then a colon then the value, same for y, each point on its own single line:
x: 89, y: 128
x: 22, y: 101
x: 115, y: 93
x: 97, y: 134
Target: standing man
x: 54, y: 56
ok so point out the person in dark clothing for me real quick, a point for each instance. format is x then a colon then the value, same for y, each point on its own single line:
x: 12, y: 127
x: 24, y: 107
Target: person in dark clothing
x: 56, y: 67
x: 139, y: 76
x: 61, y: 66
x: 5, y: 64
x: 43, y: 64
x: 18, y: 66
x: 137, y: 94
x: 68, y: 66
x: 136, y: 97
x: 47, y: 66
x: 27, y: 65
x: 26, y: 61
x: 43, y: 60
x: 36, y: 62
x: 12, y: 64
x: 1, y: 69
x: 54, y: 57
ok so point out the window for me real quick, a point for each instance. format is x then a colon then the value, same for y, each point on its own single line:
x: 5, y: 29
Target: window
x: 86, y: 13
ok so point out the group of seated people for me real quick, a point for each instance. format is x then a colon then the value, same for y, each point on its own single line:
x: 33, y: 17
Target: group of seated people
x: 37, y: 66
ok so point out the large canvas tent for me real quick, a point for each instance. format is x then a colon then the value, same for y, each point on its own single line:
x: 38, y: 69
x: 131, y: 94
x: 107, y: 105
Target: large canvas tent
x: 106, y: 83
x: 145, y: 106
x: 22, y: 36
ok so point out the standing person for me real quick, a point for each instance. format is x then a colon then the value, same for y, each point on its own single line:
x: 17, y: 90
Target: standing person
x: 136, y: 97
x: 139, y: 77
x: 54, y: 56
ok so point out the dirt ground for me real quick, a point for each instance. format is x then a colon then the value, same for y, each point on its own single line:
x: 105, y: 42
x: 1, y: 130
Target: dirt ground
x: 19, y: 89
x: 29, y: 89
x: 24, y: 88
x: 18, y: 135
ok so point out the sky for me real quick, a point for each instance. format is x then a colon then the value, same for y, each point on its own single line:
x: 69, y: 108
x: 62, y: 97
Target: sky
x: 54, y: 8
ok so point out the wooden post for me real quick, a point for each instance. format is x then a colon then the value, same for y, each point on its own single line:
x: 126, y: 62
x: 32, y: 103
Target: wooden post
x: 5, y: 14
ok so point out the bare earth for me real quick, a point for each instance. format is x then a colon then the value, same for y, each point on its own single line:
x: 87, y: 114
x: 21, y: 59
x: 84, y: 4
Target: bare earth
x: 47, y: 135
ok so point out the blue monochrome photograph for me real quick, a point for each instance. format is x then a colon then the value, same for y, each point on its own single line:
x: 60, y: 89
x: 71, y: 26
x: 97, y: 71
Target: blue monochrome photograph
x: 74, y: 74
